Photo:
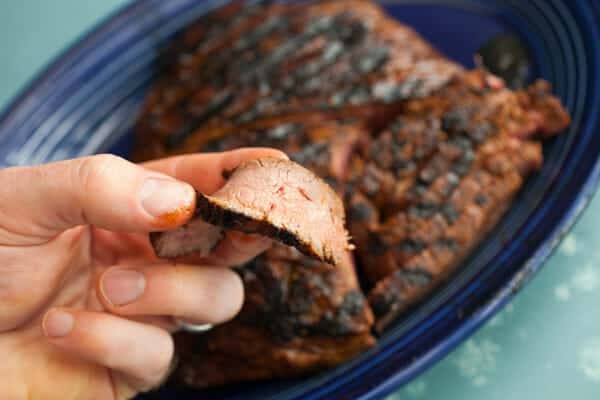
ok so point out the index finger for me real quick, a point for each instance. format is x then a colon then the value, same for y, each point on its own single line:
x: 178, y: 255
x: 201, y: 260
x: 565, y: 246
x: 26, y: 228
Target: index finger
x: 204, y: 171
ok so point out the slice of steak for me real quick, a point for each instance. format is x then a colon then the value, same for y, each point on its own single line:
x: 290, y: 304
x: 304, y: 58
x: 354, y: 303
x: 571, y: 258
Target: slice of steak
x: 299, y: 316
x: 416, y: 250
x: 461, y: 191
x: 458, y: 125
x: 272, y: 197
x: 326, y: 59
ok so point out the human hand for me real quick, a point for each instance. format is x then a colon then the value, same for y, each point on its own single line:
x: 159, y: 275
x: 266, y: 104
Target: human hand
x: 86, y: 309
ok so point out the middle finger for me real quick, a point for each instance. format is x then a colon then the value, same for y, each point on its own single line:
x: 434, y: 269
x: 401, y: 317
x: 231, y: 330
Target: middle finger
x: 200, y: 294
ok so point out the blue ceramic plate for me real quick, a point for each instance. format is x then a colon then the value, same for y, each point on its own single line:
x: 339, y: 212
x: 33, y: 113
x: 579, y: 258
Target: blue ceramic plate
x: 88, y: 99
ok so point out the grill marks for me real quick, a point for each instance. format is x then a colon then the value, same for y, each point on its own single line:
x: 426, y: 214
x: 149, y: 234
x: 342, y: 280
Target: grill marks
x: 457, y: 195
x: 298, y: 315
x: 288, y: 284
x: 262, y: 71
x: 297, y: 77
x: 269, y: 61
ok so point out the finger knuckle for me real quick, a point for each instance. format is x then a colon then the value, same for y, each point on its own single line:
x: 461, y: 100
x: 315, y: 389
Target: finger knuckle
x: 94, y: 169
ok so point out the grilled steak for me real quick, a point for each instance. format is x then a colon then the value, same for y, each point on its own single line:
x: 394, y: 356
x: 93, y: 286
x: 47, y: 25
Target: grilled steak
x: 479, y: 151
x: 299, y: 315
x: 425, y: 155
x: 261, y: 65
x: 271, y: 197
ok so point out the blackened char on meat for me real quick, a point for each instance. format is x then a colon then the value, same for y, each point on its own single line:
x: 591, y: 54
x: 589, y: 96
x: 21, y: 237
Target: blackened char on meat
x: 425, y: 155
x: 329, y: 59
x: 299, y: 315
x: 272, y: 197
x: 432, y: 217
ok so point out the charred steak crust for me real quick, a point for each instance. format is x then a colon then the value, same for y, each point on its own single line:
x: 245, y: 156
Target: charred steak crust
x: 271, y: 197
x: 434, y: 215
x: 329, y: 59
x: 426, y: 156
x: 216, y: 214
x: 299, y: 315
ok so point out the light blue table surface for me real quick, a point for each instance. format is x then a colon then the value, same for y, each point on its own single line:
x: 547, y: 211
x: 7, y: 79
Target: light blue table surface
x: 543, y: 346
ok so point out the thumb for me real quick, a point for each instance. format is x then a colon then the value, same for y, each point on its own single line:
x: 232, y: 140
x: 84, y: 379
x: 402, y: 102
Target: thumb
x: 103, y: 190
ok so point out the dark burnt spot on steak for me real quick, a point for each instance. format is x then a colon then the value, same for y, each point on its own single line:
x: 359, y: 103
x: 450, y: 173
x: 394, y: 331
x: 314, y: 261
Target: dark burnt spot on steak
x: 372, y: 60
x: 339, y: 323
x: 427, y: 175
x: 461, y: 142
x: 410, y: 245
x: 448, y: 243
x: 461, y: 168
x: 481, y: 132
x: 481, y: 199
x: 353, y: 303
x: 385, y: 300
x: 288, y: 238
x: 376, y: 244
x: 423, y: 209
x: 403, y: 167
x: 359, y: 212
x: 420, y: 189
x: 414, y: 276
x: 449, y: 212
x: 456, y: 121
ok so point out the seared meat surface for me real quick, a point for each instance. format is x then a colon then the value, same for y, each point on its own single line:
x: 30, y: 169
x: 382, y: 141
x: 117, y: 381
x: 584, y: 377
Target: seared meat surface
x: 425, y: 155
x: 443, y: 181
x: 243, y: 67
x: 299, y: 315
x: 271, y: 197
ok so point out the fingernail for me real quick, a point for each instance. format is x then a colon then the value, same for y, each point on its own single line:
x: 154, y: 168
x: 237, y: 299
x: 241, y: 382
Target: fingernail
x: 57, y: 323
x: 164, y: 196
x: 122, y: 286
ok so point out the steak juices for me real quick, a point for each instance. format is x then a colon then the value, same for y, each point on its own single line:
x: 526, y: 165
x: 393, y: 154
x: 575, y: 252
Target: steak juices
x: 425, y: 155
